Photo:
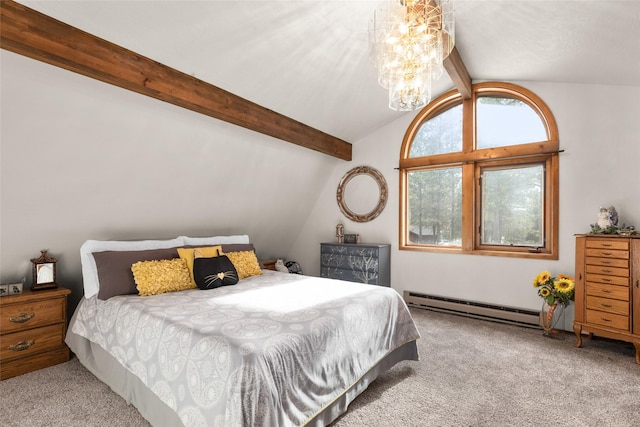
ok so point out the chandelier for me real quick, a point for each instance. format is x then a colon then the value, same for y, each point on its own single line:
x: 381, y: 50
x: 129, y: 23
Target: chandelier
x: 409, y: 41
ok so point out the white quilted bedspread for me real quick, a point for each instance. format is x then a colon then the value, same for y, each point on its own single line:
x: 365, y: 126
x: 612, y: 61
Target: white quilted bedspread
x: 272, y: 350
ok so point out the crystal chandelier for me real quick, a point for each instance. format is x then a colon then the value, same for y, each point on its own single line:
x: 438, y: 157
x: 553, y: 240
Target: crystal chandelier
x: 409, y: 42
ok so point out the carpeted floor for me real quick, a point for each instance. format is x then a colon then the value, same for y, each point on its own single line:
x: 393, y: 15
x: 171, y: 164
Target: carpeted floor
x: 471, y: 373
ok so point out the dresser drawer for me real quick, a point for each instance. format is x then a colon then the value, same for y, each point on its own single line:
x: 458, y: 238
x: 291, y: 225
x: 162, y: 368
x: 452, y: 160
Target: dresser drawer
x: 350, y: 262
x: 25, y: 343
x: 608, y: 244
x: 350, y: 249
x: 611, y: 320
x: 606, y: 270
x: 608, y: 262
x: 17, y: 317
x: 369, y: 277
x: 610, y: 280
x: 608, y: 305
x: 607, y: 253
x: 606, y: 291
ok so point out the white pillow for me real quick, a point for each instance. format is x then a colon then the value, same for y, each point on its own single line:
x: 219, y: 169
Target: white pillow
x: 90, y: 271
x: 216, y: 240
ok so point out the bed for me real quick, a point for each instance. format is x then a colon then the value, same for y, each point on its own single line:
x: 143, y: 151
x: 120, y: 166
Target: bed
x: 275, y: 349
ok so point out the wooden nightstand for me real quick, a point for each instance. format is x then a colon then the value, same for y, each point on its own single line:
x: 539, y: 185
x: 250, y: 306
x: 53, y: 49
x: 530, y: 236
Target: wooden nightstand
x: 32, y: 330
x: 269, y: 264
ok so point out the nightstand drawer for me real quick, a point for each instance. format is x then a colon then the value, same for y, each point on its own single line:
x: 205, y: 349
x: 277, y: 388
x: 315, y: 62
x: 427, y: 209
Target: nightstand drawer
x: 23, y: 365
x: 25, y: 343
x: 615, y: 321
x: 17, y: 317
x: 608, y: 305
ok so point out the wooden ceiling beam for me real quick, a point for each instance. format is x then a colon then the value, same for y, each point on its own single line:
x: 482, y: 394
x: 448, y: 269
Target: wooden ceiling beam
x: 458, y: 73
x: 30, y: 33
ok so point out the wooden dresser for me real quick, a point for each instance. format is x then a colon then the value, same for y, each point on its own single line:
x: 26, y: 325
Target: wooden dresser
x: 356, y: 262
x: 32, y: 330
x: 607, y: 296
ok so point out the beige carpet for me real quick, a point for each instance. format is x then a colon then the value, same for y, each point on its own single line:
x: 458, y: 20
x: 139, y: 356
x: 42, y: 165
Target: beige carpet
x: 471, y: 373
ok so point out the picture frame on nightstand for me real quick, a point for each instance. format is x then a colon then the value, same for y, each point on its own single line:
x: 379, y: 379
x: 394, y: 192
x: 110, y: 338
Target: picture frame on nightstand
x: 15, y: 288
x: 44, y: 272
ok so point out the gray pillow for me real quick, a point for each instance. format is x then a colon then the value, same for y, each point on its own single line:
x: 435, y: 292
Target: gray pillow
x: 114, y: 269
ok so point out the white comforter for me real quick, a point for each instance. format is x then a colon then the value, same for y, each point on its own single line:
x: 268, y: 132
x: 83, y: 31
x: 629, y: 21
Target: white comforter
x: 272, y: 350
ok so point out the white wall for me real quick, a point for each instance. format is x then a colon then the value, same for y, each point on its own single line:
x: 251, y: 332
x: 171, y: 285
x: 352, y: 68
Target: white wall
x: 600, y: 132
x: 81, y: 160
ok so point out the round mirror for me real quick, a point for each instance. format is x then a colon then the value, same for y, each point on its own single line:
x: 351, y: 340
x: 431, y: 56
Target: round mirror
x: 362, y: 194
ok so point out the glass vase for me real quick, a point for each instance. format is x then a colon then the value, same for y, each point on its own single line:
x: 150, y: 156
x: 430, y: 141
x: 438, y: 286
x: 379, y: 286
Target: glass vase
x: 550, y: 316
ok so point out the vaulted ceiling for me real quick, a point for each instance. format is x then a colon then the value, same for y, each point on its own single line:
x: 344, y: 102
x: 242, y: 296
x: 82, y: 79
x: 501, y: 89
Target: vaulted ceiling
x: 309, y: 59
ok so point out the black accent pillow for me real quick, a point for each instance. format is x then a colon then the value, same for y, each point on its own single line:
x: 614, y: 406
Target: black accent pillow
x: 210, y: 273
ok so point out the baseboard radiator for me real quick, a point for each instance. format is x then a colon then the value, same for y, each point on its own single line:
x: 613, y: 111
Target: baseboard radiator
x: 494, y: 313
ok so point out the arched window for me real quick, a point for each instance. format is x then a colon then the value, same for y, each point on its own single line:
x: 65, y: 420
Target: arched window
x: 480, y: 175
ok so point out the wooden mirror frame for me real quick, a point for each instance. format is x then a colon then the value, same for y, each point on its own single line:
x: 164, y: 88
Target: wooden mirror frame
x: 382, y: 200
x: 39, y: 263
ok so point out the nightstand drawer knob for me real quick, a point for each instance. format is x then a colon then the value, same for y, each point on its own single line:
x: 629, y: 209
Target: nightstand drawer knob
x: 22, y: 345
x: 22, y: 317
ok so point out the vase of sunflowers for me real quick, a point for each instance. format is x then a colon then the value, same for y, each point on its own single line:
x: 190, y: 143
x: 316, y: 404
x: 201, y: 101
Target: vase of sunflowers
x: 556, y: 292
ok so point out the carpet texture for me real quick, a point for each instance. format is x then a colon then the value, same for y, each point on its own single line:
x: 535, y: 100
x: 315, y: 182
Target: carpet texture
x: 471, y: 373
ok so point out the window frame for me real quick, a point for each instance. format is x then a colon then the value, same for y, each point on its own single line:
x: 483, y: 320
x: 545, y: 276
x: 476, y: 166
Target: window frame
x: 471, y: 160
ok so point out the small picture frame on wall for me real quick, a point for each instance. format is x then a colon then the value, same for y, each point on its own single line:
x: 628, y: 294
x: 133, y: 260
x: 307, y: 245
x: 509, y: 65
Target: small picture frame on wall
x: 352, y: 238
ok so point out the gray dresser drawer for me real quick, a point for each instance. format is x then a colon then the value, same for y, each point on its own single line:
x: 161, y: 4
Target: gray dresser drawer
x: 364, y: 263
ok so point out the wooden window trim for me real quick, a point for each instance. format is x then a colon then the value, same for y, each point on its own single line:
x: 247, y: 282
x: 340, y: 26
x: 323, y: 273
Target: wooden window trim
x: 471, y: 159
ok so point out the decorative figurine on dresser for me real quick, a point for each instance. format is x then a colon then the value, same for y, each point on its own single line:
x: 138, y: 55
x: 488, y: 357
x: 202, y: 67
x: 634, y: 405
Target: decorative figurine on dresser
x: 363, y: 262
x: 607, y: 282
x: 33, y: 323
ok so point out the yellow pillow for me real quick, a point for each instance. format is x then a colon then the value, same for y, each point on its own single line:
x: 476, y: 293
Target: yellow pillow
x: 207, y: 252
x: 160, y: 276
x: 245, y: 262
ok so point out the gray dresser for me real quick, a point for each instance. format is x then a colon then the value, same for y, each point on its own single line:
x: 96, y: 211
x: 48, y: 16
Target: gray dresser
x: 361, y: 262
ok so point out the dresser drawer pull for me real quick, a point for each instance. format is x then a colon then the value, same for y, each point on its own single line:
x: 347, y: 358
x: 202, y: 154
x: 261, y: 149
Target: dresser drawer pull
x: 606, y: 253
x: 605, y: 245
x: 605, y: 262
x: 22, y: 317
x: 22, y: 345
x: 606, y: 291
x: 606, y: 271
x: 605, y: 320
x: 606, y: 280
x: 606, y: 305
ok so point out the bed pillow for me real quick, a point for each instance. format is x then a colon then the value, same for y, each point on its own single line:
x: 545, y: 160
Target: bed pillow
x: 187, y: 254
x: 159, y: 277
x: 90, y: 278
x: 114, y: 269
x: 216, y: 240
x: 245, y: 262
x: 210, y: 273
x: 237, y: 247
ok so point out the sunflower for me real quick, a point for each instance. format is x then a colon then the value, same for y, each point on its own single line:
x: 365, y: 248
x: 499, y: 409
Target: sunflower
x: 541, y: 279
x: 564, y: 285
x: 565, y: 276
x: 544, y: 292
